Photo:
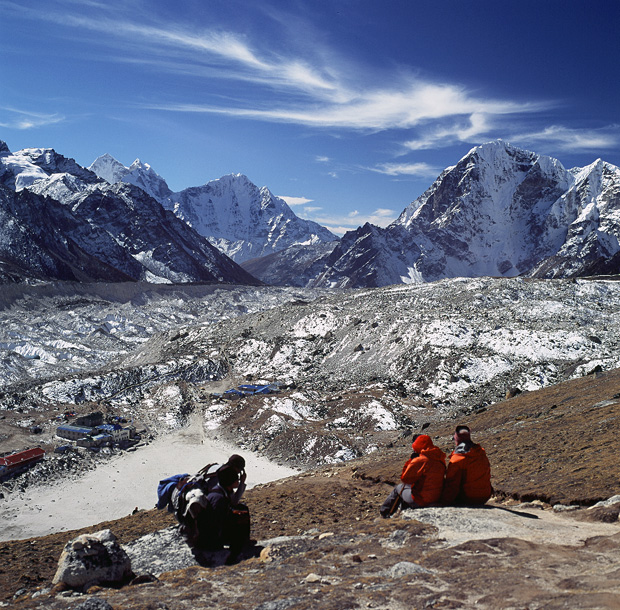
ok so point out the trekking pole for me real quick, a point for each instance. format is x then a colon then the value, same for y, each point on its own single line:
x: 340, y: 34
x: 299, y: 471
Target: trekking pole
x: 394, y: 506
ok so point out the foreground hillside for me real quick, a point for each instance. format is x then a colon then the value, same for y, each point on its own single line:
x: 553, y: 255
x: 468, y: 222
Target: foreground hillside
x: 554, y: 445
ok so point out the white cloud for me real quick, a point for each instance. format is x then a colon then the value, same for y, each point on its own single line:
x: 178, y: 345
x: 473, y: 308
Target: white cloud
x: 322, y: 159
x: 314, y: 90
x: 295, y: 200
x: 464, y: 129
x: 340, y: 224
x: 403, y: 106
x: 405, y: 169
x: 566, y: 139
x: 24, y: 119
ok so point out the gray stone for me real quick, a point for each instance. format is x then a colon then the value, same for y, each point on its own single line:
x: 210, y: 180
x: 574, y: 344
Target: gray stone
x: 565, y: 508
x: 406, y: 568
x: 166, y: 550
x: 93, y: 603
x: 93, y: 559
x: 609, y: 502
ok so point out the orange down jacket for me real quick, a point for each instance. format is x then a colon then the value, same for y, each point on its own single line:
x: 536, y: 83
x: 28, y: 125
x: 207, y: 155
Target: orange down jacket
x: 425, y: 474
x: 468, y: 478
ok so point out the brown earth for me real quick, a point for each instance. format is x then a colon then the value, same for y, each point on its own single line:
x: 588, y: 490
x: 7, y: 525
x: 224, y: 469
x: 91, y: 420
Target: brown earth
x: 557, y: 445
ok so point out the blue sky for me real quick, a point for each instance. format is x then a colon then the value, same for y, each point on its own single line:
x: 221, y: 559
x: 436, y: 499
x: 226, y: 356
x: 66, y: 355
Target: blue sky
x: 347, y: 108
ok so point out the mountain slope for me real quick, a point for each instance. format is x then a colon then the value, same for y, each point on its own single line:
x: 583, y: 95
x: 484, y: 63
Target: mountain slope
x: 242, y: 220
x: 501, y: 211
x: 297, y: 265
x: 42, y: 240
x: 119, y: 226
x: 236, y: 216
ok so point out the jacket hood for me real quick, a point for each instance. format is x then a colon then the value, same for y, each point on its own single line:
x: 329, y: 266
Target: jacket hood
x: 434, y: 453
x: 464, y: 447
x: 422, y: 442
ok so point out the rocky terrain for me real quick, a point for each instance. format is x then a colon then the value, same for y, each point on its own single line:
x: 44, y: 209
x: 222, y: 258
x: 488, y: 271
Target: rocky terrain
x: 354, y: 369
x: 553, y: 447
x: 358, y: 372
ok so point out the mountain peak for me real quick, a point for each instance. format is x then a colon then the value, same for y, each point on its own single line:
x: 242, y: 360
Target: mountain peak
x: 4, y: 149
x: 108, y: 168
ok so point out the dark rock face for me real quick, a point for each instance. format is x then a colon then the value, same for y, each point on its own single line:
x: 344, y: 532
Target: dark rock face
x: 295, y: 266
x: 43, y: 240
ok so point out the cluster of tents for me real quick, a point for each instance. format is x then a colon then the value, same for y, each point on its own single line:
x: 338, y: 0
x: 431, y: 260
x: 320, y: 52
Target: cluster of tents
x: 248, y: 390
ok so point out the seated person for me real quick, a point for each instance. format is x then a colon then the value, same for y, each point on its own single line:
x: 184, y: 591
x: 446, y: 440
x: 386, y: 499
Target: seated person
x: 222, y: 521
x: 422, y: 478
x: 468, y: 478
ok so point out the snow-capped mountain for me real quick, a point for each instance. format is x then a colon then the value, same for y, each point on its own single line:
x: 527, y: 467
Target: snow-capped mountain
x: 236, y: 216
x: 501, y: 211
x: 79, y: 227
x: 138, y: 173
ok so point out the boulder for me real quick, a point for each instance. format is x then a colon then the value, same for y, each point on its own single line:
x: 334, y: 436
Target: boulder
x: 93, y: 559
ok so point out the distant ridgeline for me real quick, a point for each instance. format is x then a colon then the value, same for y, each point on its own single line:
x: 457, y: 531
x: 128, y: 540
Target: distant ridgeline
x: 500, y: 211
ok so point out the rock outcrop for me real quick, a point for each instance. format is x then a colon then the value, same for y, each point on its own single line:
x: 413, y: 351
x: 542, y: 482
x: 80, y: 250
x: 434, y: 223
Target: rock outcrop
x: 93, y: 559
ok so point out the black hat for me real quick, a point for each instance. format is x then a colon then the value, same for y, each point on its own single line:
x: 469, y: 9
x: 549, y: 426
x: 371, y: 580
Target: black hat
x: 227, y: 475
x: 237, y: 461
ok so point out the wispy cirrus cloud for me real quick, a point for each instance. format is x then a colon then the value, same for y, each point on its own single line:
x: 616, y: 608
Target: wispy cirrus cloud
x: 568, y: 139
x: 405, y: 107
x: 13, y: 118
x: 406, y: 169
x: 448, y: 132
x: 315, y: 90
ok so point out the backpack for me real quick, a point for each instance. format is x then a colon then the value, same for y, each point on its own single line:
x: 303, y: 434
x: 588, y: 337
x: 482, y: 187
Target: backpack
x: 182, y: 483
x: 166, y: 487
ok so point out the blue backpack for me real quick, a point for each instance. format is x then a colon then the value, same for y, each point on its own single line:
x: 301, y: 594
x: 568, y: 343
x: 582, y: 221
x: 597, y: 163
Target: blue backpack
x: 166, y: 487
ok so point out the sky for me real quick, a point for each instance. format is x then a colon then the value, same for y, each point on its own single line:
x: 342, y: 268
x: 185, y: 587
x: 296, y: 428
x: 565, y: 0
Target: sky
x: 348, y: 109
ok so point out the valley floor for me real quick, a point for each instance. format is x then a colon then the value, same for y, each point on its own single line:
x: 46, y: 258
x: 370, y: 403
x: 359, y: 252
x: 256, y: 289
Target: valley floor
x: 121, y: 484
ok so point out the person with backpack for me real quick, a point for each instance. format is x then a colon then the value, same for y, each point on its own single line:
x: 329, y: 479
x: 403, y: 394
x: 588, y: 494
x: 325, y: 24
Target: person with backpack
x: 238, y: 463
x: 186, y: 496
x: 222, y: 521
x: 422, y: 478
x: 468, y: 478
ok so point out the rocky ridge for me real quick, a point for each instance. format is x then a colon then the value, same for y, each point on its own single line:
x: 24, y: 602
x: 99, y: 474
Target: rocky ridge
x: 500, y: 211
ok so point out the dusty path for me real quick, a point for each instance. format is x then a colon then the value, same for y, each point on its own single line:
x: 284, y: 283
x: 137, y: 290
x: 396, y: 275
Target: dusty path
x: 116, y: 488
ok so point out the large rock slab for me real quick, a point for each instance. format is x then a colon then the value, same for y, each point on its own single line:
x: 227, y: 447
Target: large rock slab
x: 167, y: 550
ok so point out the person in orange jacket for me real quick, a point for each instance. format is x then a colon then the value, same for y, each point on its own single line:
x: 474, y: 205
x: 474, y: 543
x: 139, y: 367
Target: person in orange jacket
x: 468, y: 478
x: 422, y: 478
